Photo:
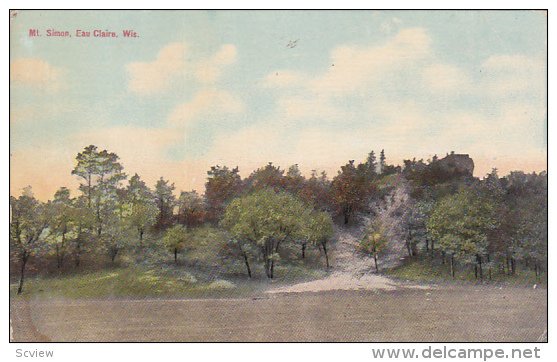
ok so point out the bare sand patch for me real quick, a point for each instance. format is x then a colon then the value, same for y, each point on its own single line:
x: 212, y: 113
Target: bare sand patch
x: 345, y: 281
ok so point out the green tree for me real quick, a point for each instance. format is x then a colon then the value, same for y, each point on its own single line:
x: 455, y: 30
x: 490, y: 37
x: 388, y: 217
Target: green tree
x: 63, y: 223
x: 114, y: 237
x: 317, y: 229
x: 165, y: 201
x: 269, y: 176
x: 101, y: 174
x: 382, y: 162
x: 84, y: 219
x: 141, y: 207
x: 371, y: 163
x: 265, y: 219
x: 461, y: 224
x: 28, y: 222
x: 177, y: 239
x: 374, y: 242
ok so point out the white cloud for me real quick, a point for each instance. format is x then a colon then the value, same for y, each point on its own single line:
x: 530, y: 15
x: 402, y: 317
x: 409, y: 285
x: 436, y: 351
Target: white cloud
x: 210, y: 70
x: 206, y: 103
x: 37, y: 73
x: 505, y: 75
x: 155, y: 76
x: 354, y: 68
x: 173, y: 66
x: 446, y: 78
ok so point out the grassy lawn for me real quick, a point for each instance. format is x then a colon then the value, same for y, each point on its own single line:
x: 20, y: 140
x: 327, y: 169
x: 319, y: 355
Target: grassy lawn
x: 162, y: 281
x: 129, y: 282
x: 427, y: 270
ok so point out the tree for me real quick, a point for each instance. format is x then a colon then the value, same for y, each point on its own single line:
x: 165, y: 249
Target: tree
x: 317, y: 229
x: 223, y: 184
x: 84, y: 219
x: 525, y: 223
x: 350, y: 191
x: 114, y: 237
x: 294, y: 180
x: 142, y: 217
x: 373, y: 242
x: 176, y: 239
x: 269, y: 176
x: 28, y: 222
x: 101, y: 173
x: 191, y: 209
x: 371, y: 163
x: 142, y: 209
x: 165, y: 201
x: 413, y: 221
x: 62, y: 226
x: 87, y: 168
x: 243, y: 249
x: 461, y: 224
x: 265, y: 219
x: 382, y: 163
x: 316, y: 191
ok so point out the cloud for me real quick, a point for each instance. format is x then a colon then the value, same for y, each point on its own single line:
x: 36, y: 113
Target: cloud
x: 36, y: 73
x: 174, y: 64
x: 446, y: 78
x: 208, y: 103
x: 389, y: 25
x: 354, y: 68
x: 284, y: 79
x: 155, y: 76
x: 515, y: 74
x: 210, y: 70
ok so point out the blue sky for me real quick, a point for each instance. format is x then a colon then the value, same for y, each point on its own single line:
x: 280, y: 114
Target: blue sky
x: 207, y: 87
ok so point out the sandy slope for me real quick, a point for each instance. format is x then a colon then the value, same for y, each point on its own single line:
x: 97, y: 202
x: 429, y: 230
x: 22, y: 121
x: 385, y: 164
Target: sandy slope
x: 351, y: 270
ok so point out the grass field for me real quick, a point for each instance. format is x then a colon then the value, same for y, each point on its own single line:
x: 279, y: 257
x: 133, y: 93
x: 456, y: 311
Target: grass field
x: 173, y: 281
x: 423, y: 269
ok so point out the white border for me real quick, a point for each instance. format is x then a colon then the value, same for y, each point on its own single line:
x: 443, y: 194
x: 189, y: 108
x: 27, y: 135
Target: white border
x: 250, y: 352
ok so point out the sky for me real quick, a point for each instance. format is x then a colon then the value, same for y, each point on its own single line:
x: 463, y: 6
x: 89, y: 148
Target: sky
x: 244, y: 88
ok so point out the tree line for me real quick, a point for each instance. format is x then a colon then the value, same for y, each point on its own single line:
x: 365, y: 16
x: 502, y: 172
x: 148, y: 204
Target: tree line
x: 461, y: 217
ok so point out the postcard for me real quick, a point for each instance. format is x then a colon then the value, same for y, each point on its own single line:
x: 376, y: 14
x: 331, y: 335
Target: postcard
x: 278, y: 176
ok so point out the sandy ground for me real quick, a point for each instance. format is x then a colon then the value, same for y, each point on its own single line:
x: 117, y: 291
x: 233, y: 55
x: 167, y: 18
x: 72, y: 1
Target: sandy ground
x: 351, y: 270
x: 449, y: 314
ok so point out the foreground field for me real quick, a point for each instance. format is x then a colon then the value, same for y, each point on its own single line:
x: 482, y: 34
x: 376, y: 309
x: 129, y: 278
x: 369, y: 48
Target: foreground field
x: 452, y: 313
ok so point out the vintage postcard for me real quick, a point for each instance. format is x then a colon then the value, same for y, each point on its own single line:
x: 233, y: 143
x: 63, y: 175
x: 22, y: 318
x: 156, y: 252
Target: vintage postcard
x: 278, y: 176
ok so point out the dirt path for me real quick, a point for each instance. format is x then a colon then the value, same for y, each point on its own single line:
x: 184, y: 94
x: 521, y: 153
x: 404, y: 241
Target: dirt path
x: 350, y: 269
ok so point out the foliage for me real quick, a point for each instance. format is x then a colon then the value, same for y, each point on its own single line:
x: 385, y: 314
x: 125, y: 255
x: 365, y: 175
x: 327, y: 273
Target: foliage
x: 28, y: 222
x: 191, y: 209
x: 461, y: 223
x: 165, y: 200
x: 265, y: 219
x: 351, y: 189
x: 177, y: 239
x: 223, y: 184
x: 374, y: 242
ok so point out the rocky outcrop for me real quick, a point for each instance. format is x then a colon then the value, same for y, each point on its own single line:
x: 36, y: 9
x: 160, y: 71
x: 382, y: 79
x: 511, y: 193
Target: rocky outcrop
x: 456, y: 163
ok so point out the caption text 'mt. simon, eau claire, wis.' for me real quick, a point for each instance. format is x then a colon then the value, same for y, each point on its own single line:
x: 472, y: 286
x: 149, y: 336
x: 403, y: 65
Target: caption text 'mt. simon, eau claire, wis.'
x: 79, y: 33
